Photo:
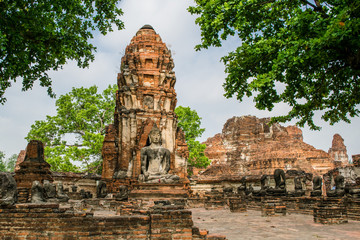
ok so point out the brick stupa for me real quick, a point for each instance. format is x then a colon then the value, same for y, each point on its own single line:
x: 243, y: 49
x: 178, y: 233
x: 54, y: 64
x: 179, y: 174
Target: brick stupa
x: 32, y: 168
x: 146, y: 97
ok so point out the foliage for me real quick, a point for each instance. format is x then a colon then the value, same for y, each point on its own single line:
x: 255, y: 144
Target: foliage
x: 77, y: 131
x: 197, y: 156
x: 11, y: 162
x: 7, y: 165
x: 2, y: 163
x: 189, y: 121
x: 38, y: 36
x: 302, y: 53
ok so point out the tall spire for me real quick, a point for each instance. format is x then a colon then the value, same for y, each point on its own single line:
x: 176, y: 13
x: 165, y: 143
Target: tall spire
x: 146, y: 97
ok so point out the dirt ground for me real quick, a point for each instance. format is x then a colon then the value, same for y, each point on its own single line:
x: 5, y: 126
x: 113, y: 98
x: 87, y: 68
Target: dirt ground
x: 250, y: 225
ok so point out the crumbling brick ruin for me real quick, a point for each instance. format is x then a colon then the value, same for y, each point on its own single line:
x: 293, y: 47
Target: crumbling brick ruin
x: 146, y: 99
x: 250, y: 146
x: 144, y: 191
x: 245, y: 158
x: 32, y: 168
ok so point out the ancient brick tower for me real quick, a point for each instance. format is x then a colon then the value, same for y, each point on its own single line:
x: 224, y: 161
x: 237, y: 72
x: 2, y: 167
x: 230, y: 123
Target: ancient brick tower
x: 146, y: 97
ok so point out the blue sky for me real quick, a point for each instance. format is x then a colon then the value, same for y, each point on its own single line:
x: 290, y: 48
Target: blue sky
x: 200, y: 76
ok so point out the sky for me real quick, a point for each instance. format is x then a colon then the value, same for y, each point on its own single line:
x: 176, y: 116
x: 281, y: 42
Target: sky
x: 199, y: 74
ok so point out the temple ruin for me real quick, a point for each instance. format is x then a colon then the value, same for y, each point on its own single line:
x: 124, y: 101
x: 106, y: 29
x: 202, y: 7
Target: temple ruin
x: 250, y: 146
x: 145, y: 192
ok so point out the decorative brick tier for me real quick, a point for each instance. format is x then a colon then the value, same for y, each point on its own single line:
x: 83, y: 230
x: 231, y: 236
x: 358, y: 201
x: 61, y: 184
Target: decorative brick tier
x: 330, y: 211
x: 273, y: 207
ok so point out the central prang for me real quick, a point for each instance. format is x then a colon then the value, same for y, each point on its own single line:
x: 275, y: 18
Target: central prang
x: 145, y: 144
x: 155, y: 161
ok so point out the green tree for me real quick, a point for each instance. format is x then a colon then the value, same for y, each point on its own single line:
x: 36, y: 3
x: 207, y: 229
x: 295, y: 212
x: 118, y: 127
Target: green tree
x: 189, y: 121
x: 76, y: 133
x: 302, y: 53
x: 7, y: 165
x: 2, y: 162
x: 11, y: 162
x: 38, y: 36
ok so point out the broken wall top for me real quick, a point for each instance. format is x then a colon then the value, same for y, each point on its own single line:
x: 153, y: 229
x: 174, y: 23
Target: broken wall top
x: 249, y: 145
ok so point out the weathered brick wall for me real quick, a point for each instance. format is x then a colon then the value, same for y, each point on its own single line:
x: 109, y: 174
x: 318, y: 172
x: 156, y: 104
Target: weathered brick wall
x: 299, y: 205
x: 353, y: 209
x: 248, y: 145
x: 48, y: 221
x: 174, y: 224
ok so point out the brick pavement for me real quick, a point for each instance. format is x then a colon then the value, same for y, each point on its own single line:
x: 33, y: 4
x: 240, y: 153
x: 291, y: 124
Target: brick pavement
x: 250, y: 225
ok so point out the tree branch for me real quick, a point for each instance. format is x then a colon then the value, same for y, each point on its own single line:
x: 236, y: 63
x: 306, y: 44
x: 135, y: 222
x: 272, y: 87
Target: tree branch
x: 312, y: 5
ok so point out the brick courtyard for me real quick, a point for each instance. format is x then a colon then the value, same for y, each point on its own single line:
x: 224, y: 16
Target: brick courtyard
x: 250, y: 225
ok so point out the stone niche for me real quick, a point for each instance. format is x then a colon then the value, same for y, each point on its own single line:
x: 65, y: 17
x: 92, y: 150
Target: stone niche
x: 145, y: 98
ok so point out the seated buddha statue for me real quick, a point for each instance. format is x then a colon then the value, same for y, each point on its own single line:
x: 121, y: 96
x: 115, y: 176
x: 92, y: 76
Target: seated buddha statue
x: 280, y: 184
x: 317, y: 187
x: 155, y: 161
x: 339, y: 187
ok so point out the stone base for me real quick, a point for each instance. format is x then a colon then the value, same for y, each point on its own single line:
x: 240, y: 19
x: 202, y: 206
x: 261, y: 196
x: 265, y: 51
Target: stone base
x: 330, y: 211
x: 158, y: 191
x: 237, y: 205
x: 214, y: 200
x: 273, y: 207
x: 353, y: 209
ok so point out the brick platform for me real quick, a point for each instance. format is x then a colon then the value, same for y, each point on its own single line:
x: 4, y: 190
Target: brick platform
x: 330, y: 211
x: 49, y: 221
x: 237, y: 205
x: 214, y: 200
x: 273, y: 207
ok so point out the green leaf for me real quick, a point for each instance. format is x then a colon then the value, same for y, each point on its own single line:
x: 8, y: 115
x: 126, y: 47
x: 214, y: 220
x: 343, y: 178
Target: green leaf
x: 311, y: 51
x: 73, y: 138
x: 39, y: 36
x: 189, y: 121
